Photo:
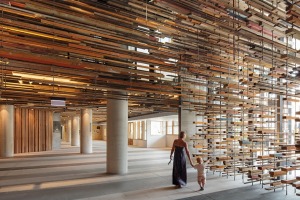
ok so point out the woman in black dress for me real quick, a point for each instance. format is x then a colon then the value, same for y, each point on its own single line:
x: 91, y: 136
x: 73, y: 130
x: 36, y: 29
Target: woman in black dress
x: 179, y: 163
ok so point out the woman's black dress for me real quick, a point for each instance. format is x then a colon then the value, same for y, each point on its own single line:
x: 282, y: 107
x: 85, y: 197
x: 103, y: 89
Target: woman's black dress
x: 179, y: 167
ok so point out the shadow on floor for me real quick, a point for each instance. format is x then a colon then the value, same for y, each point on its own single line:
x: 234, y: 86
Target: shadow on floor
x: 247, y: 193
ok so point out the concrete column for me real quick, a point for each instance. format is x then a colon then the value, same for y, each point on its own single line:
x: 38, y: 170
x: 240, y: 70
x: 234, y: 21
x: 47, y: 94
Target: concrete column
x: 56, y: 137
x: 68, y: 130
x: 186, y: 119
x: 86, y: 137
x: 75, y: 131
x: 6, y: 130
x: 117, y: 136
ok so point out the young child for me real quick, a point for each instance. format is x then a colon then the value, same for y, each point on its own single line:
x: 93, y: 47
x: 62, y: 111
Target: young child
x: 201, y: 172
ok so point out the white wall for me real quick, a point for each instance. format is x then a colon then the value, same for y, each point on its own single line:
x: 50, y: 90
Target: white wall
x: 154, y: 141
x: 140, y: 143
x: 102, y: 132
x: 96, y: 132
x: 170, y: 140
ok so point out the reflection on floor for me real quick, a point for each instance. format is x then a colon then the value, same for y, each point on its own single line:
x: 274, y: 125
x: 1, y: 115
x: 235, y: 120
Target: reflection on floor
x: 66, y: 174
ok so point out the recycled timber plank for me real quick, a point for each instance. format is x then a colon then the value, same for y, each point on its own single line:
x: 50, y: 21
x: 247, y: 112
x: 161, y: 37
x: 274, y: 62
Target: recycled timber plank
x: 277, y: 183
x: 296, y: 184
x: 289, y: 181
x: 277, y: 173
x: 287, y: 169
x: 224, y: 61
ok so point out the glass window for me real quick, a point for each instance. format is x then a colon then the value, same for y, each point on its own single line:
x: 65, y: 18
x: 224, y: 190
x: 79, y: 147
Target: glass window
x: 169, y: 127
x: 175, y: 127
x: 144, y: 130
x: 156, y: 128
x: 130, y: 130
x: 137, y: 130
x: 164, y: 127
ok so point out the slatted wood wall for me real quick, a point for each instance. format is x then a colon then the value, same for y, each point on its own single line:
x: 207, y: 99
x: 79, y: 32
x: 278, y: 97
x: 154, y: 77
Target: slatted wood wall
x: 33, y: 130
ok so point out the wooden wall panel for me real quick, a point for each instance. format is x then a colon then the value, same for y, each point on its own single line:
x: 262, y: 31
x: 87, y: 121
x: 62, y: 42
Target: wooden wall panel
x: 23, y: 130
x: 42, y: 130
x: 50, y: 131
x: 26, y: 134
x: 17, y: 138
x: 48, y: 139
x: 36, y: 131
x: 33, y: 130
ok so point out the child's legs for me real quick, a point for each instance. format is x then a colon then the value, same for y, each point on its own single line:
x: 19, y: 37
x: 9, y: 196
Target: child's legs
x: 199, y: 182
x: 203, y: 181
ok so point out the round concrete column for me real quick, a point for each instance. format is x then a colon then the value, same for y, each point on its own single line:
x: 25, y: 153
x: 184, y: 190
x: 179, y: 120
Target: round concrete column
x: 86, y: 139
x: 6, y: 130
x: 68, y: 130
x: 75, y: 131
x: 117, y: 136
x: 187, y: 125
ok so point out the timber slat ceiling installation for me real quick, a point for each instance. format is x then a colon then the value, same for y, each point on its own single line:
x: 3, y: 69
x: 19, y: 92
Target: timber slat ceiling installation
x: 234, y: 62
x: 81, y: 47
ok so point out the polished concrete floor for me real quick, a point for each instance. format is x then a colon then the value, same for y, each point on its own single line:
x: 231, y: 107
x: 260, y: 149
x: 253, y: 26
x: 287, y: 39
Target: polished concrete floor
x: 66, y: 174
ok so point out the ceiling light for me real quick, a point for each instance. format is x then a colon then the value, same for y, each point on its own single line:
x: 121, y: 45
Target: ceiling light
x: 40, y: 77
x: 51, y: 94
x: 45, y: 78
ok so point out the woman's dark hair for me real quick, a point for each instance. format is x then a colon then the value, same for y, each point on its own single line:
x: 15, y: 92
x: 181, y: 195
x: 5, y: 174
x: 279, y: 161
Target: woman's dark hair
x: 181, y: 134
